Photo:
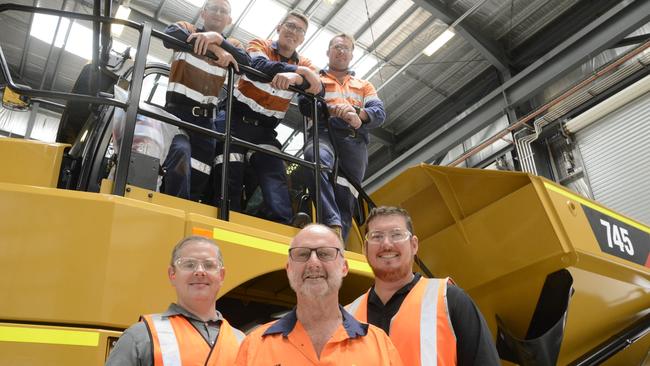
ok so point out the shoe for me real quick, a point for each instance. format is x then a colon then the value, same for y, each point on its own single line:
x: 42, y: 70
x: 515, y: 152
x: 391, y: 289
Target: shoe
x: 300, y: 220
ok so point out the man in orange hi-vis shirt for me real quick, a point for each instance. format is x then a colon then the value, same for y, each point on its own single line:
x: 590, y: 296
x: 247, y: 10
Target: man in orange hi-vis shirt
x: 353, y: 109
x: 430, y: 320
x: 258, y: 108
x: 191, y: 331
x: 318, y: 331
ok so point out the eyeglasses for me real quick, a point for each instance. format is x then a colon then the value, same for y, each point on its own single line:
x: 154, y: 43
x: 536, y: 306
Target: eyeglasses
x: 342, y: 49
x: 324, y: 254
x: 395, y: 236
x: 294, y: 28
x: 193, y: 264
x: 218, y: 9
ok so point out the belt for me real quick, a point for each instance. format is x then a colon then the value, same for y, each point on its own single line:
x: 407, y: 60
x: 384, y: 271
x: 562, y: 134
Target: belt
x: 259, y: 123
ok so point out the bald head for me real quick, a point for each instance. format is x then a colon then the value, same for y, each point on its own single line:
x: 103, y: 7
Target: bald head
x: 322, y: 232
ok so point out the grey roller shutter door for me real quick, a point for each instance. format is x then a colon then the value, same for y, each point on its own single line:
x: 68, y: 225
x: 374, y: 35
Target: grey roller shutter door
x: 616, y: 154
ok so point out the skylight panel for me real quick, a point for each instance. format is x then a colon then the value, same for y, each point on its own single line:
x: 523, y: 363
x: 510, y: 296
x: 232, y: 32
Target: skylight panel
x: 44, y: 26
x: 80, y: 41
x: 263, y: 18
x: 316, y: 51
x: 237, y: 8
x: 364, y: 65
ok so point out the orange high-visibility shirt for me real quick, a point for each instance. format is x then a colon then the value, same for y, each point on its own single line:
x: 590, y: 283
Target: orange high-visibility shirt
x: 421, y: 330
x: 176, y: 342
x: 261, y: 97
x: 287, y: 343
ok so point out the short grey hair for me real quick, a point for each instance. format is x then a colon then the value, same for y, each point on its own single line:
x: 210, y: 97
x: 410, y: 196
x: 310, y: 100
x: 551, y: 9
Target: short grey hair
x: 191, y: 240
x: 336, y: 234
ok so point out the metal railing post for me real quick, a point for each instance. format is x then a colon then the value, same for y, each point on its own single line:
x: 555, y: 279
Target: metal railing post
x: 317, y: 196
x: 224, y: 207
x: 124, y: 155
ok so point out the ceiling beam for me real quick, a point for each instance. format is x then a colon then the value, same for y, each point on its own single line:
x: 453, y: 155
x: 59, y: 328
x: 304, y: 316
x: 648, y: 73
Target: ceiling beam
x: 488, y: 48
x: 598, y: 35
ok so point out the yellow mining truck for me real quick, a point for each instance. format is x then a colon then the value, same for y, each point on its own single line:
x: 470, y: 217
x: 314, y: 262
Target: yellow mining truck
x: 559, y: 278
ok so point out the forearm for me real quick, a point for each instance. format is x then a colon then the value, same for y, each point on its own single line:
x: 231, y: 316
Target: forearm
x: 180, y: 33
x: 268, y: 67
x: 239, y: 54
x: 373, y: 114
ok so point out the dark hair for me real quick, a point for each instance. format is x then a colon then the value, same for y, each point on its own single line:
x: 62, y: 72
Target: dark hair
x: 298, y: 15
x: 383, y: 211
x: 194, y: 239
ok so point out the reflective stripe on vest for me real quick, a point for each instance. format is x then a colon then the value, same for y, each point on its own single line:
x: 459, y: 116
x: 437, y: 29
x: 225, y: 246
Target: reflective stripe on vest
x: 423, y: 312
x: 176, y: 342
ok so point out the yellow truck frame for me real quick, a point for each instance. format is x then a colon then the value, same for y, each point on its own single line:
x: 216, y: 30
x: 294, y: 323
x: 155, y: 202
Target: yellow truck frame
x: 80, y: 265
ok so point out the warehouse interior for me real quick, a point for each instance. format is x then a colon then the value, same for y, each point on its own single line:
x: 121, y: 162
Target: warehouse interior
x: 547, y: 100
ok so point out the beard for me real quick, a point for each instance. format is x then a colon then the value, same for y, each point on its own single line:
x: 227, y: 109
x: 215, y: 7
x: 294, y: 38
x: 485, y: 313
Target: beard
x: 393, y: 274
x: 310, y: 288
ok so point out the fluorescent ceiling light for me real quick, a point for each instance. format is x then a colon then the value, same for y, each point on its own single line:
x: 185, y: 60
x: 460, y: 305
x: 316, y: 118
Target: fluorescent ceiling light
x: 123, y: 12
x: 439, y: 42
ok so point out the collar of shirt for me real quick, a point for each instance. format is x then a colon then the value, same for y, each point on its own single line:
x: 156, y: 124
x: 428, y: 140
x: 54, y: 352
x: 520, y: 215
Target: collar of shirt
x: 288, y: 322
x: 175, y: 309
x: 401, y: 293
x: 326, y: 71
x: 294, y: 56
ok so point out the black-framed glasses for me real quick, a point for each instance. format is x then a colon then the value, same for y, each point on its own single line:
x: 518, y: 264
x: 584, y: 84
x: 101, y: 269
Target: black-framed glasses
x: 394, y: 236
x: 188, y: 264
x: 324, y: 254
x: 294, y: 28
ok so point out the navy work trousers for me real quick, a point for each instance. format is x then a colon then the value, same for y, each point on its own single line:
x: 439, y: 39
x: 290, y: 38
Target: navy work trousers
x: 270, y: 171
x: 339, y: 201
x: 189, y: 160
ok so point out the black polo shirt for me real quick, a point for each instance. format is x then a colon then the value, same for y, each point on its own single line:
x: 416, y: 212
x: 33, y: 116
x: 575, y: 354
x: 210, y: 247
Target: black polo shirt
x: 473, y: 338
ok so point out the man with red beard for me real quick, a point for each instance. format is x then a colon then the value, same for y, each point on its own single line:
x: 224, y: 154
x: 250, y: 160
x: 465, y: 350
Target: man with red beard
x: 318, y: 331
x: 430, y: 321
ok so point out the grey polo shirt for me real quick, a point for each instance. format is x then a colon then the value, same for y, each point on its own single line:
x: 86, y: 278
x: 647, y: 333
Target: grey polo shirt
x: 134, y: 346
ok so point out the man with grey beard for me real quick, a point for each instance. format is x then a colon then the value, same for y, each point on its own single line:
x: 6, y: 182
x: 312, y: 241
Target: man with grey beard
x: 430, y: 321
x: 318, y: 331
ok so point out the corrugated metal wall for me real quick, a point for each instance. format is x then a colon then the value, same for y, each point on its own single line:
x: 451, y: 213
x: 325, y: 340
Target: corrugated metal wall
x: 616, y: 154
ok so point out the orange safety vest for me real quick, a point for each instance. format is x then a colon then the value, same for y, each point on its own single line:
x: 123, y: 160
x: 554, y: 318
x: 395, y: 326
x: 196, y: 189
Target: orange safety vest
x: 261, y: 97
x: 176, y: 342
x: 424, y: 314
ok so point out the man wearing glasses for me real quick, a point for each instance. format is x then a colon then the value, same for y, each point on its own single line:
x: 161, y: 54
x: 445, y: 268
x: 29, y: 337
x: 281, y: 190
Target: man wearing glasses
x: 318, y: 331
x: 258, y: 108
x: 191, y: 331
x: 431, y: 321
x: 195, y: 82
x: 353, y: 109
